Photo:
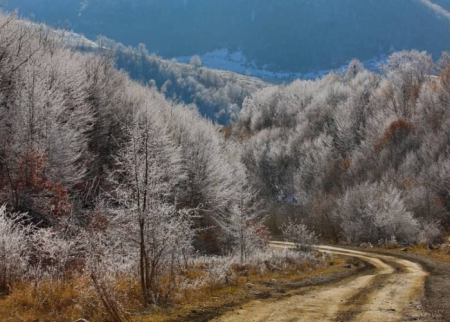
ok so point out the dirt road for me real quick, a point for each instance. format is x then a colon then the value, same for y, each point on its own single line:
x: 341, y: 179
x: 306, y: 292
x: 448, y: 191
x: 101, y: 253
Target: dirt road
x: 392, y: 293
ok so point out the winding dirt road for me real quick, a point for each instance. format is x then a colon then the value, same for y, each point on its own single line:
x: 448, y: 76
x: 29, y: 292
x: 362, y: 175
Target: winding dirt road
x: 389, y: 294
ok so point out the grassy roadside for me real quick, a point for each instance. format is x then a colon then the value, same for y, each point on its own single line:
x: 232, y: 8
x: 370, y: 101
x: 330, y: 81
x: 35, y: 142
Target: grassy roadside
x: 439, y: 253
x: 74, y: 298
x: 279, y: 284
x: 273, y: 286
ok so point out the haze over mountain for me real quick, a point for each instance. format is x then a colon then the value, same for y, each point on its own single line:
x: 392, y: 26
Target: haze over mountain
x: 295, y: 36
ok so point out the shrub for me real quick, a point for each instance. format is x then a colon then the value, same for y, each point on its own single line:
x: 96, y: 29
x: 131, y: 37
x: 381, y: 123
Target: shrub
x: 299, y: 234
x: 14, y: 248
x: 373, y: 212
x: 430, y: 233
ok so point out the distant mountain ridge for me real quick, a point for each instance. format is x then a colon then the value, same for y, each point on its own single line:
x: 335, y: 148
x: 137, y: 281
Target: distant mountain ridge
x: 299, y: 36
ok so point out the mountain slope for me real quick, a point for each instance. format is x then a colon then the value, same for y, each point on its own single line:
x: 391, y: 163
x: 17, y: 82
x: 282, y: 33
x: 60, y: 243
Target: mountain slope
x: 218, y: 95
x: 290, y: 35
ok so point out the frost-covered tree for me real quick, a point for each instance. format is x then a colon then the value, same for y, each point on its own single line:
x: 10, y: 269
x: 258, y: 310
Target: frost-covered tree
x: 210, y: 181
x: 196, y: 61
x: 217, y: 95
x: 144, y: 199
x: 374, y: 212
x: 244, y: 227
x: 406, y: 71
x: 444, y: 61
x: 314, y: 142
x: 353, y: 69
x: 46, y: 120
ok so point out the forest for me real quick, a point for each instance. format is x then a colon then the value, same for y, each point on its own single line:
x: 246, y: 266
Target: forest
x: 357, y: 155
x: 218, y: 95
x: 117, y: 200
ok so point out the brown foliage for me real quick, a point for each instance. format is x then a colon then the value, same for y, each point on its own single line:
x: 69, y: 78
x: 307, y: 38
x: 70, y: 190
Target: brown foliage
x: 440, y: 202
x: 31, y: 180
x: 414, y: 93
x: 226, y: 131
x: 408, y: 183
x: 445, y: 78
x: 394, y: 133
x: 345, y: 165
x: 261, y: 231
x: 99, y: 222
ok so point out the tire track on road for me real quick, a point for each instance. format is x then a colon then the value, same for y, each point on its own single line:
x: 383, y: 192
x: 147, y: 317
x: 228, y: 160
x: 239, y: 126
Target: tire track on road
x: 384, y: 296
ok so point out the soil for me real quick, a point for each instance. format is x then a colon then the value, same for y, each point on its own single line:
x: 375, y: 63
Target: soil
x: 379, y: 285
x: 393, y: 292
x: 436, y: 299
x: 279, y: 290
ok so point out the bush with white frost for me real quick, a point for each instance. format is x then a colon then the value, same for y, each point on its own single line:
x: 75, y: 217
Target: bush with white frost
x: 371, y: 212
x: 299, y: 234
x: 54, y: 257
x: 226, y: 269
x: 430, y: 233
x: 14, y: 248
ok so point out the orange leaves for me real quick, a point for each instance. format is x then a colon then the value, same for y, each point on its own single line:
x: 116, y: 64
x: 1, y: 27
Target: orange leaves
x: 408, y: 183
x: 31, y: 171
x: 60, y: 204
x: 394, y: 133
x: 345, y: 165
x: 32, y: 180
x: 440, y: 202
x: 99, y: 222
x: 260, y: 231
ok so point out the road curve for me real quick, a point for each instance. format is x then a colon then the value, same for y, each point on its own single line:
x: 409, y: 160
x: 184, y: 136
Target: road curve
x: 388, y: 294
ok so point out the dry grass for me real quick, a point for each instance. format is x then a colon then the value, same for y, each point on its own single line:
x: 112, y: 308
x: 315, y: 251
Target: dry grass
x: 76, y: 298
x: 439, y: 252
x: 241, y: 290
x: 65, y: 301
x: 51, y: 301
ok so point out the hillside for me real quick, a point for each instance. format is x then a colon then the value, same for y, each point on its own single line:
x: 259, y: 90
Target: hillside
x: 350, y: 28
x: 217, y: 95
x: 355, y: 154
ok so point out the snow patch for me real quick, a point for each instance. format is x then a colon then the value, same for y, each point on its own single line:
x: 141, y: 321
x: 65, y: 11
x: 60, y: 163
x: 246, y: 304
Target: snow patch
x: 237, y: 62
x: 73, y: 39
x: 436, y: 8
